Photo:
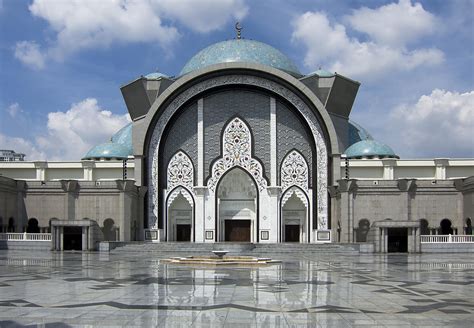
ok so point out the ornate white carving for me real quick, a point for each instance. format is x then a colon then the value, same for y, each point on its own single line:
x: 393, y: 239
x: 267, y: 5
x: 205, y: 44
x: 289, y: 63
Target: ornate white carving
x: 299, y: 194
x: 294, y: 171
x: 297, y: 102
x: 237, y: 151
x: 176, y: 193
x: 180, y: 171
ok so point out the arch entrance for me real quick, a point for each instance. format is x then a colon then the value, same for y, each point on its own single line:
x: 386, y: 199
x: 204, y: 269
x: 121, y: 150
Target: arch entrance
x: 294, y: 211
x: 237, y: 205
x: 180, y: 215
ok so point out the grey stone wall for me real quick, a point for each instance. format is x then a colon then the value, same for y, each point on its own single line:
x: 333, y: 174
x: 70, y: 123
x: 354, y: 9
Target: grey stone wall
x: 253, y: 107
x: 182, y: 136
x: 72, y: 200
x: 395, y: 200
x: 291, y: 133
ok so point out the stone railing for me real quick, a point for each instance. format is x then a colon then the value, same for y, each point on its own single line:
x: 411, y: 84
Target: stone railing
x: 447, y: 238
x: 25, y: 236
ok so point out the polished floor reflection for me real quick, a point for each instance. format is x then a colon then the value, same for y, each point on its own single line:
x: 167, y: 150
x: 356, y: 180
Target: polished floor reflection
x: 75, y: 289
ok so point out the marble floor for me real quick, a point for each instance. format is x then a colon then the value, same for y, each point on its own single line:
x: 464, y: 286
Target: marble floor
x: 113, y: 290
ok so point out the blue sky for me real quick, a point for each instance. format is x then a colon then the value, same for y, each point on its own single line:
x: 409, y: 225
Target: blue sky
x: 62, y: 63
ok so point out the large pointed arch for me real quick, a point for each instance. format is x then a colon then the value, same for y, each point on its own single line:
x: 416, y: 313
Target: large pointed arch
x: 237, y: 151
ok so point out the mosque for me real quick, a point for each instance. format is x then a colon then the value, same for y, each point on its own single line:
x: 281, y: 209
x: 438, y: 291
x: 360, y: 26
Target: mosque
x: 240, y: 146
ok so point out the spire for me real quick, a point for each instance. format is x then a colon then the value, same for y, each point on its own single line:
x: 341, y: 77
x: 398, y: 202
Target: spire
x: 238, y: 28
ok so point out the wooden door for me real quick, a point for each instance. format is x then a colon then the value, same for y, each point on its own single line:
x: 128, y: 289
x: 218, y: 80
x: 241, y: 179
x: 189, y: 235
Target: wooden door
x: 292, y: 233
x: 237, y: 230
x: 183, y: 232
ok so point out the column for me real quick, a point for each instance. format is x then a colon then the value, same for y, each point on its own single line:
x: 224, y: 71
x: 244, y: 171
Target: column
x: 388, y: 168
x: 440, y: 168
x: 88, y: 170
x: 200, y: 141
x: 273, y: 143
x: 40, y: 167
x: 200, y: 190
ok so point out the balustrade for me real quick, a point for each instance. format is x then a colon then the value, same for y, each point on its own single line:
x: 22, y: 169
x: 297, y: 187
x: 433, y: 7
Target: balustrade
x: 447, y: 238
x: 26, y: 236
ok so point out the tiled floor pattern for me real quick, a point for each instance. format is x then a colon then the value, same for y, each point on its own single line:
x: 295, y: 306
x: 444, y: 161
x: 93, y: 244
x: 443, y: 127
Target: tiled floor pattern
x: 75, y: 289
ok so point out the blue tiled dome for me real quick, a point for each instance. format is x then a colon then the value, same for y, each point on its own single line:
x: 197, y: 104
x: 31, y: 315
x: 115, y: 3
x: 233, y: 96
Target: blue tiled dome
x: 240, y: 50
x: 107, y: 150
x: 357, y: 133
x: 323, y: 73
x: 370, y: 148
x: 119, y: 146
x: 124, y: 137
x: 155, y: 76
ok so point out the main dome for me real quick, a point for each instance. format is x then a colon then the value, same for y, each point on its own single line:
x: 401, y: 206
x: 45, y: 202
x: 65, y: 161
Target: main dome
x: 240, y: 50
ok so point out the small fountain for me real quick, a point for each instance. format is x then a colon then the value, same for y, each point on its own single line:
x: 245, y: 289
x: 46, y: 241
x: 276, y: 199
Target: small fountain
x: 220, y: 259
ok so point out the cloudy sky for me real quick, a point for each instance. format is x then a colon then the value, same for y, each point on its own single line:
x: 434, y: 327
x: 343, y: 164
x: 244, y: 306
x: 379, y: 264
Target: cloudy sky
x: 62, y: 63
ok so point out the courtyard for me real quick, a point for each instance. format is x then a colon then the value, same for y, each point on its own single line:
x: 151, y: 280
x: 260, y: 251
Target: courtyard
x: 97, y: 289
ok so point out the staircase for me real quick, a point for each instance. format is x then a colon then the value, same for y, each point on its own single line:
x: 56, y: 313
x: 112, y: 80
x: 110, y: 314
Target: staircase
x: 183, y: 248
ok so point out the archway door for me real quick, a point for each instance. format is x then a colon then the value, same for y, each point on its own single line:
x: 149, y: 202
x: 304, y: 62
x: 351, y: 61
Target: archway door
x: 237, y: 207
x: 294, y: 213
x: 180, y: 216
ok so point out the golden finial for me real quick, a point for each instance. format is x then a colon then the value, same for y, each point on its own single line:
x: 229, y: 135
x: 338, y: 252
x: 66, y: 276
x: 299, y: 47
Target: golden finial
x: 238, y: 28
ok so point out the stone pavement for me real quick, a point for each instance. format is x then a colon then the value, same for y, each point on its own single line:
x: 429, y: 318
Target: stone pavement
x: 113, y: 290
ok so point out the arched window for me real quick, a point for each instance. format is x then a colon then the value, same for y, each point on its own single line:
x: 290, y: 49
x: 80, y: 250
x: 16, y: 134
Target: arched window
x: 468, y: 226
x: 424, y: 229
x: 363, y: 230
x: 11, y: 225
x: 109, y: 230
x: 32, y: 226
x: 445, y: 227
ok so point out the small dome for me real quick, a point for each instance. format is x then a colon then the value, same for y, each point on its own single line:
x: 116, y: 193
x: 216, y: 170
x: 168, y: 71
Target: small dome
x: 370, y: 148
x: 357, y: 133
x: 240, y: 50
x: 108, y: 150
x: 155, y: 76
x: 124, y: 137
x: 323, y: 73
x: 119, y: 146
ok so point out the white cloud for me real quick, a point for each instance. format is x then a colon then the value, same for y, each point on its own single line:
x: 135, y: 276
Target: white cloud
x: 21, y: 145
x: 28, y: 52
x: 437, y: 125
x: 330, y: 46
x: 83, y: 24
x: 203, y: 15
x: 395, y: 24
x: 70, y: 134
x: 14, y: 109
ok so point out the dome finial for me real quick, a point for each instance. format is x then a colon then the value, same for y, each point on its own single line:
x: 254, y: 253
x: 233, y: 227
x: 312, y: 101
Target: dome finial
x: 238, y: 28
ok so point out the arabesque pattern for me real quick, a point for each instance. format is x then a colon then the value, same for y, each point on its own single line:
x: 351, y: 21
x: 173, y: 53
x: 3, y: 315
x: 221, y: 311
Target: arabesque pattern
x: 237, y: 151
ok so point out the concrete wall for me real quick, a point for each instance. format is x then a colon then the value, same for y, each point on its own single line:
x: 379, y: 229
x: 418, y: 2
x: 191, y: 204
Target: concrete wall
x: 401, y: 200
x: 72, y: 200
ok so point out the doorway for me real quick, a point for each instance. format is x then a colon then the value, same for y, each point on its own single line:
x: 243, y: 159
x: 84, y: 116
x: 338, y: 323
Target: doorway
x: 72, y: 238
x: 237, y: 230
x: 292, y: 233
x: 183, y: 232
x: 397, y: 240
x: 180, y: 215
x: 293, y: 212
x: 237, y: 207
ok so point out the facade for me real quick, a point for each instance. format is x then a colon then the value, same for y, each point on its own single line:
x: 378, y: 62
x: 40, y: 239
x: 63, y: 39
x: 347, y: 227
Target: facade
x: 241, y: 147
